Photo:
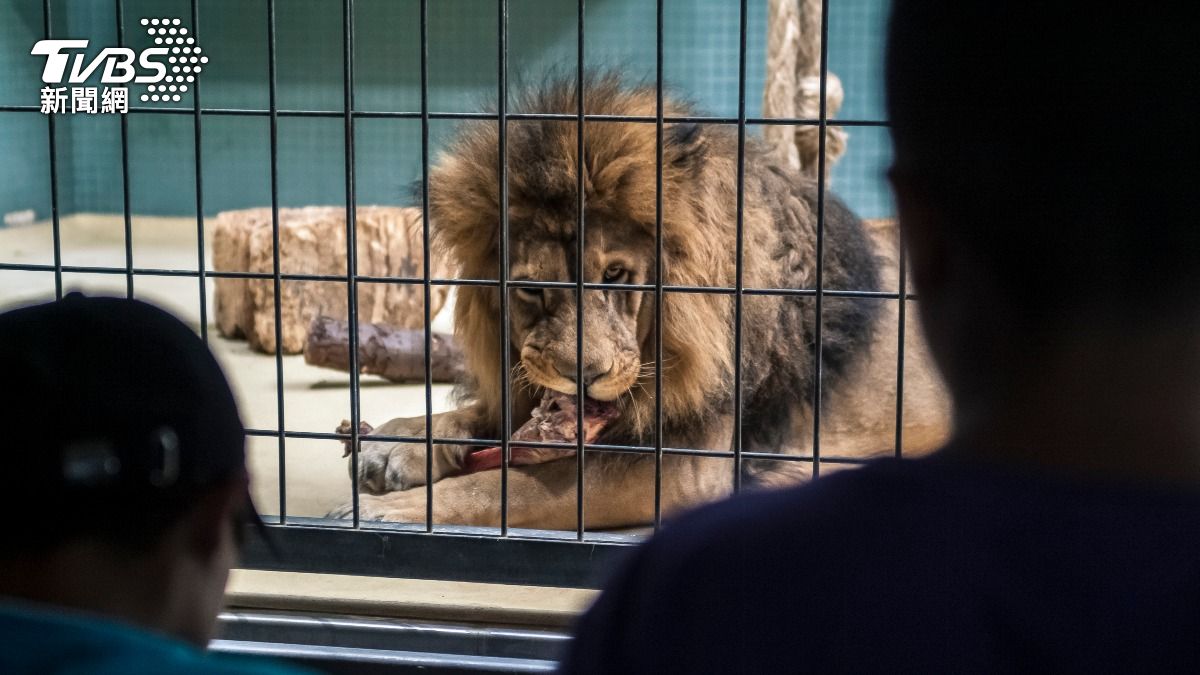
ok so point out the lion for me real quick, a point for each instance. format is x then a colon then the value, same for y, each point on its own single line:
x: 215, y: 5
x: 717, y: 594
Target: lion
x: 699, y: 238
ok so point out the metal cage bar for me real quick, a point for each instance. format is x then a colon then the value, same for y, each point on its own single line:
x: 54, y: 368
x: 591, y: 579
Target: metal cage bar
x: 590, y: 447
x: 119, y: 9
x: 658, y: 261
x: 351, y: 247
x: 516, y: 556
x: 580, y: 241
x: 452, y: 554
x: 276, y: 271
x: 669, y: 288
x: 197, y: 129
x: 426, y: 261
x: 484, y: 116
x: 901, y: 316
x: 53, y: 149
x: 505, y: 327
x: 820, y: 250
x: 738, y: 253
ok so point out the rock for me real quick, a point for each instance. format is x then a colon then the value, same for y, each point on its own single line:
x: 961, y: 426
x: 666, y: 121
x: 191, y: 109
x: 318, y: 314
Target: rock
x: 313, y: 241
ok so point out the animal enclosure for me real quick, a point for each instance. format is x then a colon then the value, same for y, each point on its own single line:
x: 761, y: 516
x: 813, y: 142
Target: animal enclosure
x: 356, y: 103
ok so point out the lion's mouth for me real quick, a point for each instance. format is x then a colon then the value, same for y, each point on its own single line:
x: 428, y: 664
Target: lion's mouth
x: 554, y: 420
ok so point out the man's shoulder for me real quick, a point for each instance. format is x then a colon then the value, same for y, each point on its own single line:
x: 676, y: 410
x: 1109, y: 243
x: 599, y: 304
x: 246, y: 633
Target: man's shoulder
x: 946, y: 522
x: 723, y: 588
x: 63, y: 642
x: 841, y: 503
x: 775, y: 542
x: 198, y: 663
x: 923, y: 560
x: 921, y: 507
x: 222, y: 664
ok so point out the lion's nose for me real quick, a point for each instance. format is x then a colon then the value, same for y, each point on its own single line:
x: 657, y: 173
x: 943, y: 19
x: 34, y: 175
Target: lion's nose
x: 590, y: 373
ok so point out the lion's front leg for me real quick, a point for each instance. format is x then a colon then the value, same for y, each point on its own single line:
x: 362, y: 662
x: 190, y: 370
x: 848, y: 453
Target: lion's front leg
x: 619, y: 493
x: 389, y: 466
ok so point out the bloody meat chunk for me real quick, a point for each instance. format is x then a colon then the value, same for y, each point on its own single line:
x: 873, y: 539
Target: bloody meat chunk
x: 554, y: 420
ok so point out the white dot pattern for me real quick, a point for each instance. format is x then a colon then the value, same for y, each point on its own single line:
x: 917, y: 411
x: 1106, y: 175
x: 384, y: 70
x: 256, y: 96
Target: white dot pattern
x: 185, y: 60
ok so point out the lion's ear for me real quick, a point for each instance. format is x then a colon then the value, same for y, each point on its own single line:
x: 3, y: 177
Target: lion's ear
x: 684, y: 145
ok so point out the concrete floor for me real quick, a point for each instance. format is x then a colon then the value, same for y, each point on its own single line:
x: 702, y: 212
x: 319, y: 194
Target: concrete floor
x: 314, y: 399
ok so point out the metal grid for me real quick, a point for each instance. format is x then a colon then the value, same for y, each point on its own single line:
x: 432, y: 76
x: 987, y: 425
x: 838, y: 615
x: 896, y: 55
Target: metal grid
x: 460, y: 553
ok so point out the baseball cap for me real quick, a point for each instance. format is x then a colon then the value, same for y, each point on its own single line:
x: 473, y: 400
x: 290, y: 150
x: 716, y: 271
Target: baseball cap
x: 117, y: 412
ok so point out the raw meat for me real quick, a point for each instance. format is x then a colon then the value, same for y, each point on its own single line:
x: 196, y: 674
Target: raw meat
x: 554, y: 420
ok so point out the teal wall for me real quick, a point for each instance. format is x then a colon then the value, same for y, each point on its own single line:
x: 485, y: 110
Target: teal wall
x: 701, y: 63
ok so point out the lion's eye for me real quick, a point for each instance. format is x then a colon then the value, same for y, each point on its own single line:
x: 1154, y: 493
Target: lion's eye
x: 533, y: 295
x: 614, y: 274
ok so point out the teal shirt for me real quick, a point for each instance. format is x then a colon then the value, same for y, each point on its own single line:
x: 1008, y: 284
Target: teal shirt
x: 45, y: 640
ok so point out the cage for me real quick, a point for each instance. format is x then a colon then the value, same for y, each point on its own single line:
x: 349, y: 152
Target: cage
x: 277, y: 105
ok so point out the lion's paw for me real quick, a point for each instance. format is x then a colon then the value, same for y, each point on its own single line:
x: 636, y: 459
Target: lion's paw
x: 390, y: 467
x: 401, y: 507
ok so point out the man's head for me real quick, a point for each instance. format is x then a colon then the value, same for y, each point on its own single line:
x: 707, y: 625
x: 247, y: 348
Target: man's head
x: 1045, y: 153
x: 124, y: 452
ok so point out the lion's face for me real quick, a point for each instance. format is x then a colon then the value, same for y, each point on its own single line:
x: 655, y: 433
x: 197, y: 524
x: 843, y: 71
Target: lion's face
x: 616, y: 322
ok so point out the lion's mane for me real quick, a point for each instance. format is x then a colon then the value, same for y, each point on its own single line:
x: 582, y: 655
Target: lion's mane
x: 699, y: 218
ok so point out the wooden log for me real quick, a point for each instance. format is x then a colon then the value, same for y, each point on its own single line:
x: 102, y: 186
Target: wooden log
x: 396, y: 354
x: 312, y: 241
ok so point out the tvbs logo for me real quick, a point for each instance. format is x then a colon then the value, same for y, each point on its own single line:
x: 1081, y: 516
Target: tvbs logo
x: 168, y: 70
